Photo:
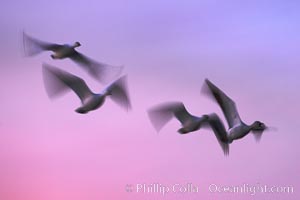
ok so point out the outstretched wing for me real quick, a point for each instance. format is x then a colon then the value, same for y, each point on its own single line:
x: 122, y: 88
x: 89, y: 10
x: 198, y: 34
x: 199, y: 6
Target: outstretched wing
x: 119, y: 92
x: 34, y: 46
x: 100, y: 71
x: 182, y: 114
x: 220, y: 132
x: 163, y: 113
x: 227, y: 105
x: 58, y: 81
x: 257, y: 135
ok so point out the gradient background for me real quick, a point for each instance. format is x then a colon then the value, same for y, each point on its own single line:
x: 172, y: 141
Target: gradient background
x: 250, y: 49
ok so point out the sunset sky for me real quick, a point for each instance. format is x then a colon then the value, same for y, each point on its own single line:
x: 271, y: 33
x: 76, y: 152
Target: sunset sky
x: 250, y: 49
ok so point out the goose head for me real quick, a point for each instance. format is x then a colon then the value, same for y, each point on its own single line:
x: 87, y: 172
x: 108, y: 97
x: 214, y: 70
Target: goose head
x: 76, y: 44
x: 258, y: 126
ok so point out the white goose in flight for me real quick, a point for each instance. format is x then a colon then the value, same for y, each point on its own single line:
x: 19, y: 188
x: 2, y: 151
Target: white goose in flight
x: 161, y: 114
x: 100, y: 71
x: 58, y: 81
x: 237, y: 128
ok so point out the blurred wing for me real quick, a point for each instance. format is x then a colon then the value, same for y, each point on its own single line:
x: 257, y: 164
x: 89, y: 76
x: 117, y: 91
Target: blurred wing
x: 100, y: 71
x: 257, y: 135
x: 163, y: 113
x: 81, y: 59
x: 119, y: 92
x: 182, y: 114
x: 160, y: 115
x: 220, y: 132
x: 227, y: 105
x: 34, y: 46
x: 57, y: 81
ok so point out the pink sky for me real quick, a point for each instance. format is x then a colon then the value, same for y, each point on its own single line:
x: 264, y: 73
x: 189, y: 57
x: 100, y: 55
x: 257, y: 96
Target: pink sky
x: 250, y: 50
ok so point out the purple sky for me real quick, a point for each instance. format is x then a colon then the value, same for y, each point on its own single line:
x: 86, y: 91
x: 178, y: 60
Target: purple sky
x: 250, y: 49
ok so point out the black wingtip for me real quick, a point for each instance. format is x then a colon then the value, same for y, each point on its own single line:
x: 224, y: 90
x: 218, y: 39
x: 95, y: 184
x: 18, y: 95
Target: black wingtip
x: 209, y: 83
x: 206, y: 88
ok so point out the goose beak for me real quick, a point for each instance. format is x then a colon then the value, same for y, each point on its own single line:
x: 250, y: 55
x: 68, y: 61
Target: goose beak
x: 271, y: 128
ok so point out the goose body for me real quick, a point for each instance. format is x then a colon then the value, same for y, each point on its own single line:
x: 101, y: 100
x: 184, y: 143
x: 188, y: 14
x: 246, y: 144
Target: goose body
x: 57, y: 81
x: 192, y: 125
x: 91, y: 103
x: 237, y: 132
x: 65, y: 51
x: 161, y: 114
